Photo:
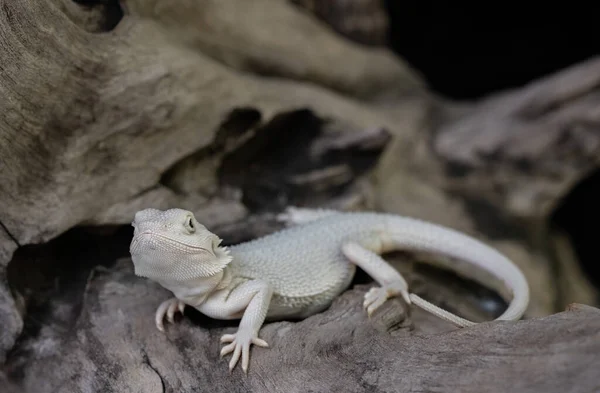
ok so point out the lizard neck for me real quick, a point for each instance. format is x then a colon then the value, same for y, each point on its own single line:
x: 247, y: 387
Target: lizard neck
x: 226, y: 279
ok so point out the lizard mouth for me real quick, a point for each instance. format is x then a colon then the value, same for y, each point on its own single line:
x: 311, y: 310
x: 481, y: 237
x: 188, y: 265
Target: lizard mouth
x: 149, y: 239
x: 137, y: 241
x: 167, y: 239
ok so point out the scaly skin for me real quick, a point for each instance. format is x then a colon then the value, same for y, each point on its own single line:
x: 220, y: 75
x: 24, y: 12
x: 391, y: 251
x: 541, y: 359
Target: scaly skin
x: 298, y: 271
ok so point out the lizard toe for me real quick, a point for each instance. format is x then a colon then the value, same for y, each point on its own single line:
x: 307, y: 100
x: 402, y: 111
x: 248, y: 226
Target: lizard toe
x: 227, y: 349
x: 173, y: 308
x: 235, y: 357
x: 374, y: 299
x: 245, y: 357
x: 168, y: 309
x: 371, y: 296
x: 239, y: 344
x: 259, y: 342
x: 227, y: 338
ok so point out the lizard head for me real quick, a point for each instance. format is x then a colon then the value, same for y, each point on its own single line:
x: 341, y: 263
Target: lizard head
x: 173, y: 245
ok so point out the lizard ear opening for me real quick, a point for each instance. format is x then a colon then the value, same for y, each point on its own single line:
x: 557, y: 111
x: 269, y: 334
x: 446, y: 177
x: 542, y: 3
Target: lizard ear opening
x: 189, y: 224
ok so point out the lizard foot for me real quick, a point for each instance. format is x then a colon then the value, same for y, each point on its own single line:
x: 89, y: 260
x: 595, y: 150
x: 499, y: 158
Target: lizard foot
x: 168, y: 308
x: 378, y: 295
x: 239, y: 344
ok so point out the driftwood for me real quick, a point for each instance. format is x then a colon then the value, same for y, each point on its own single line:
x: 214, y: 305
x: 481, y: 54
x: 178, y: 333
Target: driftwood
x: 109, y: 347
x: 363, y: 21
x: 501, y: 168
x: 187, y: 103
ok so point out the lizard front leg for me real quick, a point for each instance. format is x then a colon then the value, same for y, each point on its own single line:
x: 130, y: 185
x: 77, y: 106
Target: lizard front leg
x: 168, y: 308
x: 250, y: 300
x: 391, y: 281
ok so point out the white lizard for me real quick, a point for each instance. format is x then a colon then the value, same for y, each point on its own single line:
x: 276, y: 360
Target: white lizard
x: 296, y: 272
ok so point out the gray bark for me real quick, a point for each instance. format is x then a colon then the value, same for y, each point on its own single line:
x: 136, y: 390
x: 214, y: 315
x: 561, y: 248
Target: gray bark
x: 113, y: 346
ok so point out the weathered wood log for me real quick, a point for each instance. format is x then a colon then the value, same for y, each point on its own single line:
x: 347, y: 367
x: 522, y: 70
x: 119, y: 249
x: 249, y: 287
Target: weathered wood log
x: 91, y: 122
x: 364, y: 21
x: 8, y: 386
x: 290, y: 43
x: 11, y: 321
x: 547, y: 131
x: 500, y: 167
x: 130, y: 86
x: 112, y: 345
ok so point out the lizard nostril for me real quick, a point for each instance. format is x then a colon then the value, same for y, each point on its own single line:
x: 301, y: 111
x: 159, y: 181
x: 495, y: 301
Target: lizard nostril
x: 138, y: 216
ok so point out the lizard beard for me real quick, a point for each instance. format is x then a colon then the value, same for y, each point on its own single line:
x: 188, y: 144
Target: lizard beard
x: 161, y: 266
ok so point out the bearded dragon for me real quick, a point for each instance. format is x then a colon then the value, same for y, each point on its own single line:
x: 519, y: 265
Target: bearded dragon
x: 298, y: 271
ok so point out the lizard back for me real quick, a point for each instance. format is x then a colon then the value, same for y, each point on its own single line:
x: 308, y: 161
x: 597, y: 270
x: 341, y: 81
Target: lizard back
x: 305, y: 264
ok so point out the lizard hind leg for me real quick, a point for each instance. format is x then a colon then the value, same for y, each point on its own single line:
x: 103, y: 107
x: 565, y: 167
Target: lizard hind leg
x: 392, y: 284
x: 391, y: 281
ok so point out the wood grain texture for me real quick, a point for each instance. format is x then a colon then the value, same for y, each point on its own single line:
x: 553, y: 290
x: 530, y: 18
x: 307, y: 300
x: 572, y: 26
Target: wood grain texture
x: 363, y: 21
x: 532, y: 144
x: 113, y: 346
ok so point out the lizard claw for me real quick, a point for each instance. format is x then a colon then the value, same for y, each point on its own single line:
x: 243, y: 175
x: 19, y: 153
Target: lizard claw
x: 376, y: 296
x: 374, y: 299
x: 168, y: 309
x: 239, y: 344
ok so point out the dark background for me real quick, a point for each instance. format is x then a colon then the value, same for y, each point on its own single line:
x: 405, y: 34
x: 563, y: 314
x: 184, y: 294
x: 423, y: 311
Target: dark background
x: 468, y: 50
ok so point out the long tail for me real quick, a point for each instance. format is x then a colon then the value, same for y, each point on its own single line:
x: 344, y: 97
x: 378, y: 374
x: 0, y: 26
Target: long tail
x: 411, y: 234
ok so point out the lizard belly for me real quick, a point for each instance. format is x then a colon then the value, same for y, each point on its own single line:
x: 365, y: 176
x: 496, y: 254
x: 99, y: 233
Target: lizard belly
x: 303, y: 306
x: 304, y: 281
